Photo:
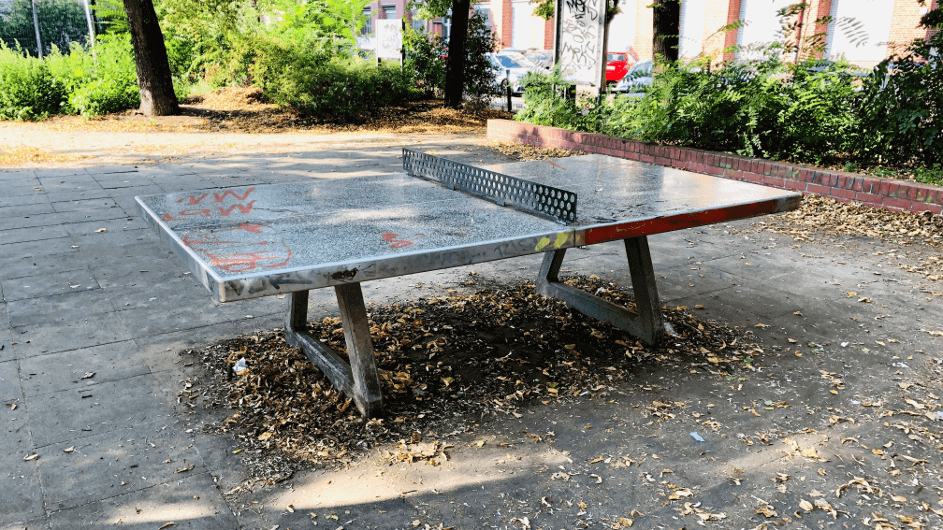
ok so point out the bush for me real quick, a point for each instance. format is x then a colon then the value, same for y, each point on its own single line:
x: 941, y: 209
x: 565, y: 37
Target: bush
x: 28, y: 90
x: 763, y: 108
x: 322, y: 87
x: 424, y: 60
x: 900, y: 108
x: 98, y: 83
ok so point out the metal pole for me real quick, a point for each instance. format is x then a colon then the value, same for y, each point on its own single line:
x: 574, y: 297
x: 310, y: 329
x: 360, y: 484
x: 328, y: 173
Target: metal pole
x: 508, y: 87
x: 39, y: 42
x: 91, y: 30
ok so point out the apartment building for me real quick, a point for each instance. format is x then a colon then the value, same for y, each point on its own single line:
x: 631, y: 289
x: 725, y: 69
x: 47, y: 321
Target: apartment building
x: 862, y: 31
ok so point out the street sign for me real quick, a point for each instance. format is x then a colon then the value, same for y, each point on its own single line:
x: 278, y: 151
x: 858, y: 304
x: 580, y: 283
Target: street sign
x: 580, y: 41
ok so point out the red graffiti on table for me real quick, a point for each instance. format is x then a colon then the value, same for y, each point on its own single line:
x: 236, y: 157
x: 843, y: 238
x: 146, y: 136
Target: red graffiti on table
x: 218, y: 197
x: 395, y: 243
x: 258, y: 251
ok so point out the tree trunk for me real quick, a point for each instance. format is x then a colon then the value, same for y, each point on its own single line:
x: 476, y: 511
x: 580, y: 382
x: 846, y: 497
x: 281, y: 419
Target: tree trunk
x: 150, y: 56
x: 666, y: 27
x: 455, y: 68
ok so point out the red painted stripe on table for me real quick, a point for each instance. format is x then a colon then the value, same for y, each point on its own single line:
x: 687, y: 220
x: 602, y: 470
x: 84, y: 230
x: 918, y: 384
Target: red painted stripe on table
x: 558, y: 165
x: 660, y: 225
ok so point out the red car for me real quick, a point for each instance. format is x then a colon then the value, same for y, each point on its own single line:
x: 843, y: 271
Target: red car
x: 617, y: 65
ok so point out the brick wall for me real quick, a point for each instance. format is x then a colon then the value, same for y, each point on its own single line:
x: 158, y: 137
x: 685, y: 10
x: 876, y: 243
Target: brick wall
x: 904, y: 26
x: 644, y: 31
x: 548, y: 33
x: 840, y: 185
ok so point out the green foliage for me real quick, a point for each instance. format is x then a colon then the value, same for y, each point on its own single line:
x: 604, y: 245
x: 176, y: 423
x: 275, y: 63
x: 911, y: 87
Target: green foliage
x: 326, y: 24
x: 97, y: 87
x: 901, y: 102
x: 324, y: 87
x: 424, y: 60
x: 480, y: 83
x: 60, y: 23
x: 28, y: 90
x: 930, y: 175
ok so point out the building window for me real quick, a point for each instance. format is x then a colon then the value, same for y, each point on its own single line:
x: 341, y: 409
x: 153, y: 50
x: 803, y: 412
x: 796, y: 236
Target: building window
x: 389, y: 12
x: 368, y: 24
x: 417, y: 23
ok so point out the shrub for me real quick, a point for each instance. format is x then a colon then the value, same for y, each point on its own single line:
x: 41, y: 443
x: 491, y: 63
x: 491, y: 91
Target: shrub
x: 98, y: 83
x: 326, y: 88
x: 900, y: 107
x: 28, y: 90
x: 424, y: 60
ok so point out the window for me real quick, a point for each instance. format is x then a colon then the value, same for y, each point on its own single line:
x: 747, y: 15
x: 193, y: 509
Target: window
x: 368, y: 24
x: 417, y: 23
x: 389, y: 12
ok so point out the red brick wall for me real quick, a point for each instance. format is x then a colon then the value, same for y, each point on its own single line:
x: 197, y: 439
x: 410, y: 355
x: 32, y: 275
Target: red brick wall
x: 548, y: 33
x: 904, y: 26
x: 840, y: 185
x: 733, y: 14
x: 501, y: 15
x: 715, y: 17
x: 644, y: 32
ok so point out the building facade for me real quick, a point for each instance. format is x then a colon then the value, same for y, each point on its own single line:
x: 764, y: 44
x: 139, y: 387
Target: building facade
x: 862, y: 31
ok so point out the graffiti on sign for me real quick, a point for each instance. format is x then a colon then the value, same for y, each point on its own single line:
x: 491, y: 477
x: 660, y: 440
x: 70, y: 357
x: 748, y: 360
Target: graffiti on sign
x: 580, y: 40
x: 389, y: 38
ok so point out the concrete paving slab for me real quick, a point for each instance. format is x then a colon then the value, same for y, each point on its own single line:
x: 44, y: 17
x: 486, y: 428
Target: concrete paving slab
x: 60, y: 172
x: 150, y: 189
x: 67, y: 196
x: 62, y: 218
x: 22, y: 491
x: 98, y: 203
x: 53, y: 245
x: 23, y: 200
x: 58, y: 308
x: 10, y: 382
x: 91, y: 228
x: 48, y: 284
x: 22, y: 235
x: 108, y: 241
x: 120, y: 169
x: 159, y: 352
x: 135, y: 403
x: 177, y: 294
x: 70, y: 370
x: 123, y: 180
x: 22, y: 189
x: 88, y: 330
x: 76, y: 184
x: 190, y: 503
x: 114, y: 463
x: 141, y: 272
x: 29, y: 209
x: 146, y: 321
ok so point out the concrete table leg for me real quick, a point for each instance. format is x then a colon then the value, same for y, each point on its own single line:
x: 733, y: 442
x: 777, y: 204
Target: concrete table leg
x: 358, y: 379
x: 647, y: 324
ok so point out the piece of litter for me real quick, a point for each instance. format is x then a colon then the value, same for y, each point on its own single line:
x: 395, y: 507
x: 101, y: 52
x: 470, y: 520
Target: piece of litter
x: 844, y: 345
x: 240, y: 366
x: 33, y: 456
x: 100, y: 230
x: 88, y: 375
x: 697, y: 437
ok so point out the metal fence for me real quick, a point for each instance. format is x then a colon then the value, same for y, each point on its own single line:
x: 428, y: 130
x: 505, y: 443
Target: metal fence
x: 36, y: 26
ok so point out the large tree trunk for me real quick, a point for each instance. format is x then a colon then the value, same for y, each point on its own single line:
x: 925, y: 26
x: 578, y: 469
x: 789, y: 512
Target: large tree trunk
x: 455, y: 68
x: 150, y: 56
x: 666, y: 26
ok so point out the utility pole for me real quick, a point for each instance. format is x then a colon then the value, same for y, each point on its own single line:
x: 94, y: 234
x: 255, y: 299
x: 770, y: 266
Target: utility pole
x: 39, y: 42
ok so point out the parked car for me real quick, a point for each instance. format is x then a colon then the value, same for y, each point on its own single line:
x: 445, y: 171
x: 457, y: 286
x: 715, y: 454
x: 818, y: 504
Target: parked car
x: 509, y: 71
x: 617, y: 65
x: 637, y: 79
x: 542, y: 58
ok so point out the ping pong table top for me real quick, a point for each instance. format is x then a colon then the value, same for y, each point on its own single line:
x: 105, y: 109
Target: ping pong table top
x: 269, y: 239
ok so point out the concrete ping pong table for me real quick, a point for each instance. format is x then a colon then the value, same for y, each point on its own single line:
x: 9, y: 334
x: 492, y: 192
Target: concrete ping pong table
x: 272, y: 239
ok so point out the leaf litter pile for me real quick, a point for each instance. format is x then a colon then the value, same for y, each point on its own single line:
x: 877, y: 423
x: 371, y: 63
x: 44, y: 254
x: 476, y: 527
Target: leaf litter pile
x: 904, y: 228
x: 445, y: 362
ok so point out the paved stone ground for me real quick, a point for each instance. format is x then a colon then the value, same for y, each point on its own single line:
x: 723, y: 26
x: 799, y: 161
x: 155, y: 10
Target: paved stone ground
x: 79, y: 300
